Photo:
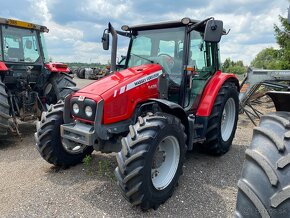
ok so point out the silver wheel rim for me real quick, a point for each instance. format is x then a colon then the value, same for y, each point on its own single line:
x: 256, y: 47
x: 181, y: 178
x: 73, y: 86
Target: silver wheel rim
x: 73, y: 147
x: 165, y: 162
x: 228, y: 119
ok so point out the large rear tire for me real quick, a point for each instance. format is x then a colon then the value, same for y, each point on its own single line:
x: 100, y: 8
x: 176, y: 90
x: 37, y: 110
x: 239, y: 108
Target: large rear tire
x: 264, y: 189
x: 151, y: 159
x: 222, y: 122
x: 4, y: 110
x: 55, y: 89
x: 50, y: 144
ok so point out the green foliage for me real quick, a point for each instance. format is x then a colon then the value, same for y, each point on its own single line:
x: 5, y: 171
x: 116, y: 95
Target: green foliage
x: 78, y: 64
x: 104, y: 169
x: 276, y: 59
x: 237, y: 67
x: 268, y: 58
x: 87, y: 160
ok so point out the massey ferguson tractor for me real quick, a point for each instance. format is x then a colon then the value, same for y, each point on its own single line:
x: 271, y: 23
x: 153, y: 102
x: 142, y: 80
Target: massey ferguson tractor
x: 170, y: 97
x: 28, y: 82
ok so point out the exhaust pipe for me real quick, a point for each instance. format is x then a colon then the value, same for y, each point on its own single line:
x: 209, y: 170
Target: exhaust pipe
x: 114, y: 47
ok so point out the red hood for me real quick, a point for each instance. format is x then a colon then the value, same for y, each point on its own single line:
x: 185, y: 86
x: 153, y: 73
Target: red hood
x: 118, y: 79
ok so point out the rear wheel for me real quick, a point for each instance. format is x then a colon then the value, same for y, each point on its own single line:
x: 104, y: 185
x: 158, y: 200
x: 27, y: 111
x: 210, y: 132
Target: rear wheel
x: 263, y: 189
x: 4, y: 110
x: 222, y: 122
x: 50, y: 144
x: 55, y: 89
x: 151, y: 159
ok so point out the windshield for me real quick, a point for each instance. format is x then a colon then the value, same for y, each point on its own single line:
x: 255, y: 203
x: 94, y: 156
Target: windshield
x: 163, y: 46
x: 20, y: 45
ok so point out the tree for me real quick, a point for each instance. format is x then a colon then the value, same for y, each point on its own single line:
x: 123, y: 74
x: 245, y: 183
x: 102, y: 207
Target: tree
x: 282, y: 35
x: 268, y: 58
x: 230, y: 66
x: 277, y: 59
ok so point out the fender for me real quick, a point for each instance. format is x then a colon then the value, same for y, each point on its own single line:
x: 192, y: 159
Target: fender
x: 3, y: 67
x: 211, y: 90
x: 176, y: 110
x: 57, y: 67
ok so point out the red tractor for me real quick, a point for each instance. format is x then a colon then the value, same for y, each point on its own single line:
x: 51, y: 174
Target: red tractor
x: 28, y: 82
x: 170, y: 97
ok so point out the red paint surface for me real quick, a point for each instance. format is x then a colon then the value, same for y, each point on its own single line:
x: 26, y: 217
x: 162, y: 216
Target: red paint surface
x: 120, y: 106
x: 211, y: 91
x: 3, y: 66
x: 57, y: 67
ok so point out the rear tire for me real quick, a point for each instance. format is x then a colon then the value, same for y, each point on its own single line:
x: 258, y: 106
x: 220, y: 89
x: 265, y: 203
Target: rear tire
x: 264, y: 189
x: 148, y: 171
x: 4, y: 110
x: 222, y: 122
x: 49, y: 142
x: 54, y: 90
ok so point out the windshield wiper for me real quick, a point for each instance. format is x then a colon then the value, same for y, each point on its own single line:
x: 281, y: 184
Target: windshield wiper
x: 143, y: 58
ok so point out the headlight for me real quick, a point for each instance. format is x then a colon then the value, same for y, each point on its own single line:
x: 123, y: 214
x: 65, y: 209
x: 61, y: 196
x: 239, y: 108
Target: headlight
x: 76, y: 108
x: 88, y: 111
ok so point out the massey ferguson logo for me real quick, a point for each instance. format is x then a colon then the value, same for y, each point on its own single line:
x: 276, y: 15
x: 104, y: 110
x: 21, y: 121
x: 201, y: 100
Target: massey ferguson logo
x: 138, y: 82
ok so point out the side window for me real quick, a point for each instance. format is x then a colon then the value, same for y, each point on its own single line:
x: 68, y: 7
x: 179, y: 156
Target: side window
x: 200, y: 53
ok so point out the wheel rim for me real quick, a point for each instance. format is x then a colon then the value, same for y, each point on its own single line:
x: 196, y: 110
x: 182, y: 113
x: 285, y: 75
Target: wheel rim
x: 73, y: 147
x: 165, y: 162
x: 228, y: 119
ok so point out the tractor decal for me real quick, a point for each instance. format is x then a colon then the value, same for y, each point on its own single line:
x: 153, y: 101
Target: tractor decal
x: 138, y: 82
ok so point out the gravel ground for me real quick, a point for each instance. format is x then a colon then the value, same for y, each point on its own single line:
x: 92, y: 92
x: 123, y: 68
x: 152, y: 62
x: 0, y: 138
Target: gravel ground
x: 30, y: 187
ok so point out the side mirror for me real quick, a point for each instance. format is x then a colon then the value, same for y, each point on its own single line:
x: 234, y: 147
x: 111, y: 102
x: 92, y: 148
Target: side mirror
x: 213, y: 31
x: 105, y: 40
x: 28, y: 44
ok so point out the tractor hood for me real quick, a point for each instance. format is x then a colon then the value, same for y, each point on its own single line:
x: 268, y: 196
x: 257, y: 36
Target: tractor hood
x: 118, y: 80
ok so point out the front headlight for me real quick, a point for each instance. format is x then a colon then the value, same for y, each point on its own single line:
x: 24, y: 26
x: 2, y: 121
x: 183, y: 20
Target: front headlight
x: 76, y: 108
x: 88, y: 111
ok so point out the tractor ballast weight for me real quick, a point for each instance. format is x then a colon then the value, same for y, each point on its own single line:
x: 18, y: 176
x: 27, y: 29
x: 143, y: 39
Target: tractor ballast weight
x: 170, y: 97
x: 28, y: 81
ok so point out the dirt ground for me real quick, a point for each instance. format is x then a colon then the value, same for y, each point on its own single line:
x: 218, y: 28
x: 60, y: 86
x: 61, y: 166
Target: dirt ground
x: 30, y: 187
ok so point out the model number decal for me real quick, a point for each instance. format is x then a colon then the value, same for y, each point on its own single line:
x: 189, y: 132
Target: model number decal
x: 138, y: 82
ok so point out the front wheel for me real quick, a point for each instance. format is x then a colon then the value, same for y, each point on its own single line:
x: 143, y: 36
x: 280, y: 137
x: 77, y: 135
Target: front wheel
x: 222, y: 122
x: 51, y: 146
x: 151, y: 159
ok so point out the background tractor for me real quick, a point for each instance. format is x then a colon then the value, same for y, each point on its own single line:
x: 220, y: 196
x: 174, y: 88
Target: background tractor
x: 170, y: 97
x: 264, y: 186
x: 28, y: 82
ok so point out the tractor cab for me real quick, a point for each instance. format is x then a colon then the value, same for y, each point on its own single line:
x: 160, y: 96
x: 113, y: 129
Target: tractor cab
x: 187, y: 50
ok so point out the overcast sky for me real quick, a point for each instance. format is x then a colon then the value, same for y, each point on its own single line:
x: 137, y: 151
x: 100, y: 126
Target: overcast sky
x: 76, y: 26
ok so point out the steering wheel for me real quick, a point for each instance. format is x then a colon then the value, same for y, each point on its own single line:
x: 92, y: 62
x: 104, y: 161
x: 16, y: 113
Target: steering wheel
x: 169, y: 60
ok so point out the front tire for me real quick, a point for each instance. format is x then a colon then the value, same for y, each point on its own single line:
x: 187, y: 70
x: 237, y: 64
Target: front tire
x: 151, y: 159
x: 222, y: 122
x: 50, y: 144
x: 263, y: 189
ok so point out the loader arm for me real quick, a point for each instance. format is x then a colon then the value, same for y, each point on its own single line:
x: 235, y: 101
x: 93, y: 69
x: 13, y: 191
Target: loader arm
x: 255, y: 78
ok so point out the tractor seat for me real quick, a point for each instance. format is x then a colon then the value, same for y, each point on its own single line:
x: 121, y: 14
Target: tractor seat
x: 15, y: 54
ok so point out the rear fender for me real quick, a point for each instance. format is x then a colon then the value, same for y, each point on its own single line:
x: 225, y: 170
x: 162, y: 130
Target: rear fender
x: 211, y: 91
x: 281, y: 100
x: 57, y: 67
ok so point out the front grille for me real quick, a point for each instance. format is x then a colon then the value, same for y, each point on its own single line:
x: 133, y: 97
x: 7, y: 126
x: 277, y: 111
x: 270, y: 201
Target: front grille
x: 82, y: 104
